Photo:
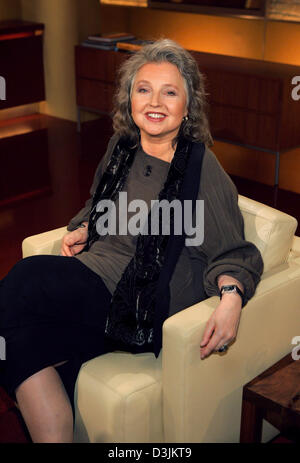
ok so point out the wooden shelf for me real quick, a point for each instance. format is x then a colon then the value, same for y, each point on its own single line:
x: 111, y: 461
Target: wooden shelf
x: 186, y: 6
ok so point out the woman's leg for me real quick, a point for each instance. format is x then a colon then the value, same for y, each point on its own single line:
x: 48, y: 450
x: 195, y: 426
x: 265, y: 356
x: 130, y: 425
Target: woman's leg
x: 52, y: 308
x: 45, y: 407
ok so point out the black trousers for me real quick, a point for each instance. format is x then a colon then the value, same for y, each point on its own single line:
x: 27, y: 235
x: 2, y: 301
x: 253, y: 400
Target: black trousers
x: 52, y: 309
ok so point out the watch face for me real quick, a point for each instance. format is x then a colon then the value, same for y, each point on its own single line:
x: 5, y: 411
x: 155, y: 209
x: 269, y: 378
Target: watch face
x: 228, y: 289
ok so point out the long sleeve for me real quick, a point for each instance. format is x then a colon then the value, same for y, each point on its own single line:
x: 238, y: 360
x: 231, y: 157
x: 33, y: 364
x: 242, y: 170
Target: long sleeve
x: 226, y: 250
x: 84, y: 213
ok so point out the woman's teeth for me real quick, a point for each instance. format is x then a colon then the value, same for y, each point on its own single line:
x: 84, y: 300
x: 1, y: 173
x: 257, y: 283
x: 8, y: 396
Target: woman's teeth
x: 156, y: 116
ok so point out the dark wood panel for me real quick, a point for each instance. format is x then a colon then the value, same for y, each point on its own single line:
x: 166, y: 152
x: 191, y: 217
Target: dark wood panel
x: 92, y: 65
x: 22, y: 67
x: 228, y: 123
x: 290, y: 118
x: 254, y: 93
x: 267, y: 132
x: 119, y: 58
x: 11, y: 27
x: 19, y: 179
x: 244, y: 127
x: 248, y: 67
x: 94, y: 94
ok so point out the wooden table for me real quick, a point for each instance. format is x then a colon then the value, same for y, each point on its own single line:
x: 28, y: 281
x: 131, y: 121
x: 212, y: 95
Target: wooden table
x: 274, y: 396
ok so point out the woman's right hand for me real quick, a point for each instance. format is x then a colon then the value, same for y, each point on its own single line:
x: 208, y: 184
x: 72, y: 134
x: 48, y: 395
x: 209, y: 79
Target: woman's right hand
x: 74, y: 241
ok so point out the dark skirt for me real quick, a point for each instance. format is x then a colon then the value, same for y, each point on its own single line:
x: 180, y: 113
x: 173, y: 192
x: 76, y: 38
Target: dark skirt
x: 52, y: 309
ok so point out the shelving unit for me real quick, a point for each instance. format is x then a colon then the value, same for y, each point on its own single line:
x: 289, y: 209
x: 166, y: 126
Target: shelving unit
x: 250, y: 100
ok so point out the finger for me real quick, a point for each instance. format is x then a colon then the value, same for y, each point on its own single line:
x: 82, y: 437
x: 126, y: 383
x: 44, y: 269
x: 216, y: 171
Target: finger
x: 216, y: 340
x: 67, y: 251
x: 210, y: 326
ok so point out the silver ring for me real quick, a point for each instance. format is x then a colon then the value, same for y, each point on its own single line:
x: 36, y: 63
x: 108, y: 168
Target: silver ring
x: 223, y: 348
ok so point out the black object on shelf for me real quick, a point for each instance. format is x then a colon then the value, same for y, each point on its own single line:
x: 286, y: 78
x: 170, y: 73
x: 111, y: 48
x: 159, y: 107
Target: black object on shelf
x: 99, y: 45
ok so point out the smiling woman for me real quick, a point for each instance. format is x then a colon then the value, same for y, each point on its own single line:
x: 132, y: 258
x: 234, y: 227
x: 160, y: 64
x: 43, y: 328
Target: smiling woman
x: 158, y: 106
x: 114, y: 292
x: 171, y: 67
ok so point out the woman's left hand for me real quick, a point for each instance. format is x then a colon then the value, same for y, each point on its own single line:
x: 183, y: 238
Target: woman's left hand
x: 222, y: 326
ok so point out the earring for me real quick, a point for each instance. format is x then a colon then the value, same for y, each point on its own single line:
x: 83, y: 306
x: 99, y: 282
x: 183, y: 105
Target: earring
x: 185, y: 118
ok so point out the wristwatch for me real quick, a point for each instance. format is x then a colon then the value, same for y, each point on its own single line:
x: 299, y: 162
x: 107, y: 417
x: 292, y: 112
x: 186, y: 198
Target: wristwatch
x: 232, y: 289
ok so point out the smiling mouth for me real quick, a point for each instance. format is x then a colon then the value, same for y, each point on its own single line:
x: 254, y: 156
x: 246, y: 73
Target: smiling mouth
x: 155, y: 117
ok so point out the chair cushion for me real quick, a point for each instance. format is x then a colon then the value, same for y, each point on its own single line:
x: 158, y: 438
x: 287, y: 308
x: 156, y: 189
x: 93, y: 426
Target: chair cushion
x: 119, y: 399
x: 271, y: 230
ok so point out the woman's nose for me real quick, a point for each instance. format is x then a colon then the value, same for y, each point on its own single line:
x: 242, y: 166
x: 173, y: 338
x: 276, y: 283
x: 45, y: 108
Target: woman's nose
x: 155, y: 99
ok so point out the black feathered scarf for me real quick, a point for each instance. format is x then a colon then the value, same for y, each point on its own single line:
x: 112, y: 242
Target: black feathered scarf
x: 140, y: 302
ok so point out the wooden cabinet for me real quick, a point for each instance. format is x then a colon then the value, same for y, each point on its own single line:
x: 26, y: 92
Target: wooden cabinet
x: 95, y: 77
x: 250, y: 102
x: 21, y: 62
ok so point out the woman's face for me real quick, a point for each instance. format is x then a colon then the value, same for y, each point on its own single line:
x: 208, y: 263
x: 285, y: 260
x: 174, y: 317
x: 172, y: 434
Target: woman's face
x: 158, y: 100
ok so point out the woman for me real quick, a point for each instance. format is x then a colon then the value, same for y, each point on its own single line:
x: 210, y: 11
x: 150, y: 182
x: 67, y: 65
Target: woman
x: 114, y: 290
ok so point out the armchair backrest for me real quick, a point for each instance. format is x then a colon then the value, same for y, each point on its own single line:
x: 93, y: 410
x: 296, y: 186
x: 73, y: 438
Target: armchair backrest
x: 272, y: 231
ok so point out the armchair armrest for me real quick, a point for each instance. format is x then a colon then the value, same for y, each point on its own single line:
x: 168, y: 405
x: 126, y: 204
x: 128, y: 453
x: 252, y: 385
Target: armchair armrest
x: 295, y: 251
x: 43, y: 243
x: 202, y: 398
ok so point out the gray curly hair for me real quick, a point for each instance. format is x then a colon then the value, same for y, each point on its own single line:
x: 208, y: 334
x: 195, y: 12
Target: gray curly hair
x: 196, y: 127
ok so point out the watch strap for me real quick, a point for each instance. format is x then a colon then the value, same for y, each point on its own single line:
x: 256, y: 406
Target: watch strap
x: 232, y: 289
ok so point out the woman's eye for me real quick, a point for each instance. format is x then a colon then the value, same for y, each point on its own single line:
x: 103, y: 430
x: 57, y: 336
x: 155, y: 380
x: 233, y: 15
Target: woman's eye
x: 171, y: 92
x: 142, y: 90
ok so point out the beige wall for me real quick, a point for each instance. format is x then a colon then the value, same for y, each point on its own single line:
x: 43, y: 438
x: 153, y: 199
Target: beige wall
x: 201, y: 32
x: 282, y: 42
x: 10, y: 9
x: 66, y: 23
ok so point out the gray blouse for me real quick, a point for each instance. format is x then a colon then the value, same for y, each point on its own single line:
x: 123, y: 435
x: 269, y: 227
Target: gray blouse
x: 223, y: 250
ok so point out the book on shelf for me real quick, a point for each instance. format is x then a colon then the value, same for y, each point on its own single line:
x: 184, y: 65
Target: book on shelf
x: 111, y: 38
x: 132, y: 45
x: 100, y: 46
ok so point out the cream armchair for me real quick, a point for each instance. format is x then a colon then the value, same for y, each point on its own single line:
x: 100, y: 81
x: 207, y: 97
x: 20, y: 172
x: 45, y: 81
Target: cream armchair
x: 121, y: 397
